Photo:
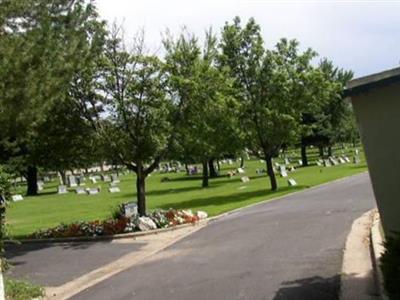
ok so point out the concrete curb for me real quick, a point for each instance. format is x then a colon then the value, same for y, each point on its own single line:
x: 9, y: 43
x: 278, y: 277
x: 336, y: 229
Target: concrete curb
x: 156, y: 231
x: 377, y: 250
x: 357, y: 280
x: 2, y: 292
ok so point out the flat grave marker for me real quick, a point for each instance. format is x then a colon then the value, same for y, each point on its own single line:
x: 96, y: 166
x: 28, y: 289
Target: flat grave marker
x: 114, y: 189
x: 17, y: 198
x: 245, y: 179
x: 292, y: 182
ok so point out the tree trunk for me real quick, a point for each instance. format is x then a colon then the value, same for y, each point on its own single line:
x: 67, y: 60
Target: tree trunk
x: 187, y: 169
x: 329, y: 150
x: 270, y: 172
x: 218, y: 165
x: 241, y: 162
x: 321, y: 151
x: 205, y: 174
x: 32, y: 181
x: 141, y: 191
x: 304, y: 155
x: 63, y: 177
x: 213, y: 172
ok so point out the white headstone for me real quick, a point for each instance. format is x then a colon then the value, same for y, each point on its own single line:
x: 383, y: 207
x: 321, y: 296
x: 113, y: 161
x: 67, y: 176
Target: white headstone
x: 240, y: 171
x: 300, y: 162
x: 284, y: 173
x: 245, y: 179
x: 93, y: 179
x: 114, y: 178
x: 130, y: 209
x: 72, y: 181
x: 80, y: 190
x: 16, y: 198
x: 292, y: 182
x: 92, y: 191
x: 287, y: 161
x: 114, y: 189
x: 40, y: 185
x: 327, y: 163
x: 347, y: 159
x: 62, y: 189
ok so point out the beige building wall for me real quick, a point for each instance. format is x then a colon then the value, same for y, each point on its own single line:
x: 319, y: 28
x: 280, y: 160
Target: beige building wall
x: 378, y: 115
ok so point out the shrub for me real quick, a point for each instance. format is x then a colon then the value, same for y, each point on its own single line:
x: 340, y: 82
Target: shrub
x: 390, y: 265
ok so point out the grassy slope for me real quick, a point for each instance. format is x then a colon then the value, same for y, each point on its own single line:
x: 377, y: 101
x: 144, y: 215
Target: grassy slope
x: 224, y: 194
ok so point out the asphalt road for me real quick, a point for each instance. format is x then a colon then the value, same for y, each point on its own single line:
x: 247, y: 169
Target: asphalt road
x: 291, y: 248
x: 54, y: 264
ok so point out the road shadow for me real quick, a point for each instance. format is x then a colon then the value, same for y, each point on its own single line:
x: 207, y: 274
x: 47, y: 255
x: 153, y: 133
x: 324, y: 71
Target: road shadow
x: 311, y: 288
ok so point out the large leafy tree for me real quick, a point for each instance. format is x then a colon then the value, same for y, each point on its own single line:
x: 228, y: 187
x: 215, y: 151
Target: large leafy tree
x: 40, y: 49
x: 273, y: 87
x: 126, y: 102
x: 205, y: 108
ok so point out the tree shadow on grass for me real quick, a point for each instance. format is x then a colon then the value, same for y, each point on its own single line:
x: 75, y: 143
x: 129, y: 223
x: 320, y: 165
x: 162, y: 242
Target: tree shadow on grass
x: 227, y: 199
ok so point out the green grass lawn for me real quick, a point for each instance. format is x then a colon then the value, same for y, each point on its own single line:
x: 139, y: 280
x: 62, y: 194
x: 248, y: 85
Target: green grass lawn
x: 224, y: 194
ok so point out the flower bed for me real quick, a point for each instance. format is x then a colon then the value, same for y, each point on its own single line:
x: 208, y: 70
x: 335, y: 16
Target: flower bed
x: 156, y: 219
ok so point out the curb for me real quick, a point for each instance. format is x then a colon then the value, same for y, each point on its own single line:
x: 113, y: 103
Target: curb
x: 105, y: 237
x: 2, y: 292
x: 357, y: 280
x: 377, y: 250
x: 161, y: 230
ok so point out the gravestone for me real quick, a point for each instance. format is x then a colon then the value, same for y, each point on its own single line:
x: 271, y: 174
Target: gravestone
x: 292, y: 182
x: 46, y: 179
x: 40, y: 185
x: 327, y: 163
x: 292, y: 169
x: 245, y: 179
x: 230, y: 162
x: 282, y: 168
x: 300, y: 162
x: 277, y: 165
x: 341, y: 160
x: 62, y: 189
x: 106, y: 178
x: 80, y: 190
x: 114, y: 189
x: 287, y: 161
x: 81, y: 180
x: 72, y: 181
x: 240, y: 171
x: 356, y: 159
x: 347, y: 159
x: 16, y: 198
x: 114, y: 178
x: 319, y: 163
x: 92, y: 191
x: 130, y: 209
x: 93, y: 179
x: 283, y: 173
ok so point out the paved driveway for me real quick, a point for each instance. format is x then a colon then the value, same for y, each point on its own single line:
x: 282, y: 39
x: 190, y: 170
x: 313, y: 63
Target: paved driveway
x: 286, y: 249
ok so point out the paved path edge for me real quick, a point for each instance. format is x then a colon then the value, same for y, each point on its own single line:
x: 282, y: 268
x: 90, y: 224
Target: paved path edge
x: 377, y: 250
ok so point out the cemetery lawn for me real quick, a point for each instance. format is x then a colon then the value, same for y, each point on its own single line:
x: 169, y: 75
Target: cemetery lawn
x: 49, y: 209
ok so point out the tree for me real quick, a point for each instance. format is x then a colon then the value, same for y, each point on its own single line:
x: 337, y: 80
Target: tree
x: 205, y: 126
x: 273, y: 88
x: 40, y: 47
x: 4, y: 197
x: 131, y: 111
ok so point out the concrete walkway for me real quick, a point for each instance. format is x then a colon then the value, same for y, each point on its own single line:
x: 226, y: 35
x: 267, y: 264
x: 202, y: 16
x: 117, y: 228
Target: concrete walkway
x: 286, y: 249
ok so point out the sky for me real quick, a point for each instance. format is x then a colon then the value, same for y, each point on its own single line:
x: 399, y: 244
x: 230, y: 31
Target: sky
x: 363, y: 36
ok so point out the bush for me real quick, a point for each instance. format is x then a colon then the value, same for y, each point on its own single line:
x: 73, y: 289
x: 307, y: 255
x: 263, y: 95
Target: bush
x: 390, y: 265
x: 21, y: 290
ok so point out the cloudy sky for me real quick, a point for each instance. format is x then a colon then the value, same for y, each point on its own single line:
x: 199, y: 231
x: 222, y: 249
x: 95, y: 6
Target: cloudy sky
x: 360, y: 35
